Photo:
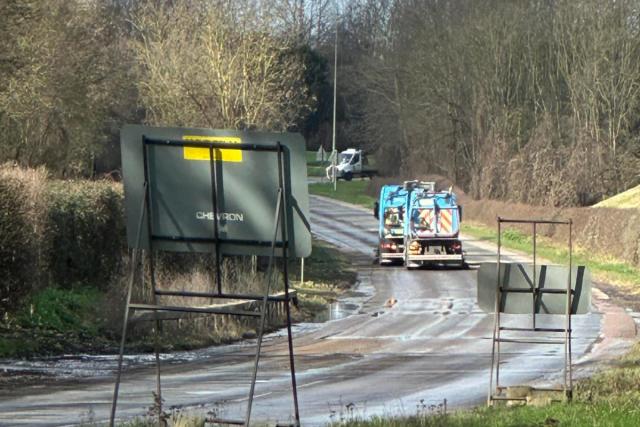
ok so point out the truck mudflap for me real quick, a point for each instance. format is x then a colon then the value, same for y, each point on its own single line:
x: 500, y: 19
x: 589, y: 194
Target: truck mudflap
x: 392, y: 255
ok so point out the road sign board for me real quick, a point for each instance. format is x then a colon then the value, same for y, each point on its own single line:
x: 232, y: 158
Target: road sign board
x: 517, y: 278
x: 180, y: 189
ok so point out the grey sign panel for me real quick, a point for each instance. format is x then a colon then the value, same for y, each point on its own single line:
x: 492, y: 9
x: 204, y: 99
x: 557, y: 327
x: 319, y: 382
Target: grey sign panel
x: 517, y: 281
x: 180, y: 190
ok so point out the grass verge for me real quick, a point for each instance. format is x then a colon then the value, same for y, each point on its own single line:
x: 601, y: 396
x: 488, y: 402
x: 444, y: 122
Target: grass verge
x: 327, y: 274
x: 316, y: 167
x: 609, y: 398
x: 606, y: 270
x: 347, y: 191
x: 319, y: 170
x: 54, y: 321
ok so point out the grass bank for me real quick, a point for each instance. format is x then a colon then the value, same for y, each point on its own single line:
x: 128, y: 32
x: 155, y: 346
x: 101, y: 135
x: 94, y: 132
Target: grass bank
x: 56, y: 320
x: 629, y: 199
x: 607, y: 270
x: 327, y: 274
x: 347, y: 191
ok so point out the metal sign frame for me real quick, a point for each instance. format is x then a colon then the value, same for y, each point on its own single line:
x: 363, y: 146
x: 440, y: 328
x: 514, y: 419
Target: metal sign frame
x: 279, y: 247
x: 494, y: 393
x: 245, y: 183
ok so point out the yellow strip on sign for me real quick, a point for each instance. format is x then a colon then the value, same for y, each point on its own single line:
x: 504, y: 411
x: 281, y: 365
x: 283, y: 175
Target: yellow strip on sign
x: 202, y: 153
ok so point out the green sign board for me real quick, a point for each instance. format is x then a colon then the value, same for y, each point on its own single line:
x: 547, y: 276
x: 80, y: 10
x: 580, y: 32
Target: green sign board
x: 518, y: 279
x: 180, y: 173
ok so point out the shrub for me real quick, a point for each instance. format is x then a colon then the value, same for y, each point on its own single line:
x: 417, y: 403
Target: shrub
x: 21, y: 223
x: 85, y: 233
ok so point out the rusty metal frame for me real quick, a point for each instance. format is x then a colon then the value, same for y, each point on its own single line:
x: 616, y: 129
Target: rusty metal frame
x: 280, y: 240
x: 567, y: 388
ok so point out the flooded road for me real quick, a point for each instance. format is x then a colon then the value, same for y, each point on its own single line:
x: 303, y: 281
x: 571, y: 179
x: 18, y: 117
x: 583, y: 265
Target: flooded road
x: 370, y: 357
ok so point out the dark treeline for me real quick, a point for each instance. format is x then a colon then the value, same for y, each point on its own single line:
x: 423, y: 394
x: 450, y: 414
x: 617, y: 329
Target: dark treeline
x: 73, y: 71
x: 533, y: 101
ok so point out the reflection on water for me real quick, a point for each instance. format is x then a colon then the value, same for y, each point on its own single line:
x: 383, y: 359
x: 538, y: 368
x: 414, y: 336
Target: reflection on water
x: 337, y: 310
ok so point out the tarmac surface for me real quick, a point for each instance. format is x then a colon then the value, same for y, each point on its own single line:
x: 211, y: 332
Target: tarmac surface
x: 374, y: 355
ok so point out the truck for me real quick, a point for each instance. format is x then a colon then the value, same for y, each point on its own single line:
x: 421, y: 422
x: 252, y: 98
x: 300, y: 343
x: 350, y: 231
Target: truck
x: 389, y: 211
x: 432, y: 227
x: 351, y: 163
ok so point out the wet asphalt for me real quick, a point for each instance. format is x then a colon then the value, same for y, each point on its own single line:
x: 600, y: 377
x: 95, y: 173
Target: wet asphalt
x: 401, y: 342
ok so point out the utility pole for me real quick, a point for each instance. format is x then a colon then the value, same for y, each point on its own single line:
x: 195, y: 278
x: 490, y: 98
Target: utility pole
x: 335, y: 82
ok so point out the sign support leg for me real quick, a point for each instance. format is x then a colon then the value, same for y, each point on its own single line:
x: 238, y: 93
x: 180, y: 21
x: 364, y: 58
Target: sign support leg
x: 134, y: 264
x: 285, y: 267
x: 264, y: 309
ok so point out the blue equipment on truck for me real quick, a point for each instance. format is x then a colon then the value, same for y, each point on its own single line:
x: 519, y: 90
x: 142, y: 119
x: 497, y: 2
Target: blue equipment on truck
x: 389, y: 210
x: 431, y: 226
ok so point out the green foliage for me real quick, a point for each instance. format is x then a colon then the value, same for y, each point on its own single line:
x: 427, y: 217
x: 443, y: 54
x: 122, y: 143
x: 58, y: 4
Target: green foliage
x: 53, y: 320
x: 62, y: 310
x: 316, y: 77
x: 85, y: 232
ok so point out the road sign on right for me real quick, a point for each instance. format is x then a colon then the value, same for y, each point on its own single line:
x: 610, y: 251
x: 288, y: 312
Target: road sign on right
x: 525, y: 290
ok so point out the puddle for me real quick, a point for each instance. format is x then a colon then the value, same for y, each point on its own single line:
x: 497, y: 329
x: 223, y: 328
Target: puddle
x: 337, y: 310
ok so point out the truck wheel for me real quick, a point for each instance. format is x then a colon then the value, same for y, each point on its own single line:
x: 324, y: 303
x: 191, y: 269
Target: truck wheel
x: 348, y: 176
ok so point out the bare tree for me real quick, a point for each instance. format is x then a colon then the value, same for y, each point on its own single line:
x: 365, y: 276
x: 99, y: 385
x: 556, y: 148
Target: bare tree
x: 210, y: 66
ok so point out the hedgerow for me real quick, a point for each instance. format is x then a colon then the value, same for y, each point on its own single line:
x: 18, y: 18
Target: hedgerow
x: 57, y: 233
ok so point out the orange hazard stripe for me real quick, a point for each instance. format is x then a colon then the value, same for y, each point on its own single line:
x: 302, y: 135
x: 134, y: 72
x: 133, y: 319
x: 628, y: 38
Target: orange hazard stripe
x: 445, y: 221
x: 427, y: 214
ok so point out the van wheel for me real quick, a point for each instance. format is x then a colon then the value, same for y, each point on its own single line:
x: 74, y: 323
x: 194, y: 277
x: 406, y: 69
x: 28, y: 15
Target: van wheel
x: 348, y: 176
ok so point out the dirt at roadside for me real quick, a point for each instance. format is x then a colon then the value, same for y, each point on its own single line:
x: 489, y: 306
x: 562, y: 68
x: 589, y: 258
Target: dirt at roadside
x: 619, y: 297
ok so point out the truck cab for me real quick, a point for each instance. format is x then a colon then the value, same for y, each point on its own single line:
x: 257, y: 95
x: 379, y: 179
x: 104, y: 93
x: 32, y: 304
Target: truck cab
x: 390, y: 212
x: 432, y: 227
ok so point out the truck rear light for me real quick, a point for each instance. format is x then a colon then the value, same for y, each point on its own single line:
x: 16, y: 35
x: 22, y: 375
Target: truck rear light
x: 415, y: 248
